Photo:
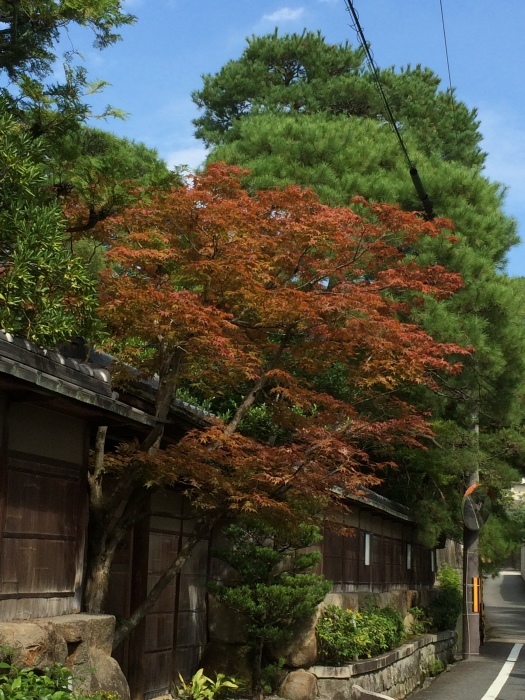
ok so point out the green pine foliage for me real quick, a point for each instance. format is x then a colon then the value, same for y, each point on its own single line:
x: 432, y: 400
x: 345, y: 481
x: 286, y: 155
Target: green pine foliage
x: 271, y: 587
x: 344, y: 156
x: 104, y: 171
x: 30, y: 30
x: 303, y: 74
x: 502, y: 537
x: 47, y: 157
x: 294, y: 109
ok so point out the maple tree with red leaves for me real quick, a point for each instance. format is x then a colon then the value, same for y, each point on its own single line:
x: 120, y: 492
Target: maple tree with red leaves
x: 286, y: 304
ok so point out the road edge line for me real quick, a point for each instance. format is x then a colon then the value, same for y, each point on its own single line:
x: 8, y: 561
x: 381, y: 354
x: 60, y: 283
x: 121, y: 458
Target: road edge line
x: 502, y: 677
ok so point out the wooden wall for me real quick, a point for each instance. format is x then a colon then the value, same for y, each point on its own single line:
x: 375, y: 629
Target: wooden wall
x: 43, y: 509
x: 396, y: 559
x: 172, y: 637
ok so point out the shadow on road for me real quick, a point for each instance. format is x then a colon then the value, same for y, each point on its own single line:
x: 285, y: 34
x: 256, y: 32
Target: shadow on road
x: 512, y: 588
x: 506, y: 624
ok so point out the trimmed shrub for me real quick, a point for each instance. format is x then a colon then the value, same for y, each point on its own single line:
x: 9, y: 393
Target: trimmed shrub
x: 446, y: 607
x: 345, y: 635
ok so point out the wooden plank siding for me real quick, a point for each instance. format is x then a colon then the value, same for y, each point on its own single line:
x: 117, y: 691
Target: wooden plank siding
x: 43, y: 511
x: 344, y: 556
x: 172, y: 637
x: 44, y: 506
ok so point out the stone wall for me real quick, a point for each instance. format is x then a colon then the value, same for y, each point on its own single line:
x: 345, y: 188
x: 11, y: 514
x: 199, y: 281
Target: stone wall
x: 396, y: 673
x: 81, y: 642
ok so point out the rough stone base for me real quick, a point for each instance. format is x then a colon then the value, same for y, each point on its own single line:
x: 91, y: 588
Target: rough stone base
x: 81, y: 642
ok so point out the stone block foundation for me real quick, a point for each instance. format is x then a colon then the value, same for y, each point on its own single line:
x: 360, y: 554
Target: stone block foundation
x: 395, y: 674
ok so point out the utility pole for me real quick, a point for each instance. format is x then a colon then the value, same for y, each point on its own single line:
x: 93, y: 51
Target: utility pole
x: 476, y: 509
x: 471, y: 581
x: 471, y: 588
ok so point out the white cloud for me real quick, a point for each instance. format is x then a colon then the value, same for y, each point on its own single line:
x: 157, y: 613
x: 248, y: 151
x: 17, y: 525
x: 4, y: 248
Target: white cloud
x: 192, y: 157
x: 285, y: 14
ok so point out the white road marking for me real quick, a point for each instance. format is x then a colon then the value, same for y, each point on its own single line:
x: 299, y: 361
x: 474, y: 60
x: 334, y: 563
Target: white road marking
x: 493, y: 692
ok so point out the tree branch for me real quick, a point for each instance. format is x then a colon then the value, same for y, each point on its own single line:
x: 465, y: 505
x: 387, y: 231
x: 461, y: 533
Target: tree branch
x: 201, y: 530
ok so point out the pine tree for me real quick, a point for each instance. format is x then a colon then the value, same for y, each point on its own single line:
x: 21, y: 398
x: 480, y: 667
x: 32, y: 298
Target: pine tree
x: 303, y: 74
x: 271, y: 588
x: 274, y: 111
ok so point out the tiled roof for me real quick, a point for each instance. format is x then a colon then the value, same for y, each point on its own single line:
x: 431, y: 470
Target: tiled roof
x: 62, y: 376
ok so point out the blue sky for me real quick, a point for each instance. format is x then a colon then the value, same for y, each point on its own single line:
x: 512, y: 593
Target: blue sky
x: 162, y: 57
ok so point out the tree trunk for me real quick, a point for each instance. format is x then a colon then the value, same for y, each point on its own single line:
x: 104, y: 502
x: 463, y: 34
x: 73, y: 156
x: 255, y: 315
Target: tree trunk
x: 257, y: 689
x: 113, y: 513
x: 201, y: 530
x: 97, y: 583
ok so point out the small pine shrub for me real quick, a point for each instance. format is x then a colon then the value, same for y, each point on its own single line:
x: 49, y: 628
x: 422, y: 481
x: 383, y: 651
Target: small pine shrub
x: 272, y: 589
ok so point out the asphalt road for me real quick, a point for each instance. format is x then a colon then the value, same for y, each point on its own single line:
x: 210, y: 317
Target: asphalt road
x: 505, y: 607
x: 490, y: 676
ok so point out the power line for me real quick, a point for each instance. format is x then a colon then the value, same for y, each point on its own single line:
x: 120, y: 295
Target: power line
x: 450, y: 88
x: 446, y: 44
x: 423, y: 196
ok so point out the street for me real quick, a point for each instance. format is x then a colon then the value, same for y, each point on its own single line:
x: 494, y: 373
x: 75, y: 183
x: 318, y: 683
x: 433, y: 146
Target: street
x: 499, y: 672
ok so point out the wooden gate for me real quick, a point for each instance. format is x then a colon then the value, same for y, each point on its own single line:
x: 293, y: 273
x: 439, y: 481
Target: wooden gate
x: 171, y: 639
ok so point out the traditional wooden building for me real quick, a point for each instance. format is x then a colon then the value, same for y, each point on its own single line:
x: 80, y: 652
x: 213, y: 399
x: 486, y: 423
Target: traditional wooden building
x: 50, y: 408
x: 381, y: 554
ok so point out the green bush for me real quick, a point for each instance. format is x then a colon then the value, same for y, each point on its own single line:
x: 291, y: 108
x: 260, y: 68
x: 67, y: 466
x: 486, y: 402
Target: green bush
x: 421, y: 622
x: 446, y: 607
x: 32, y: 684
x: 345, y: 635
x: 53, y: 683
